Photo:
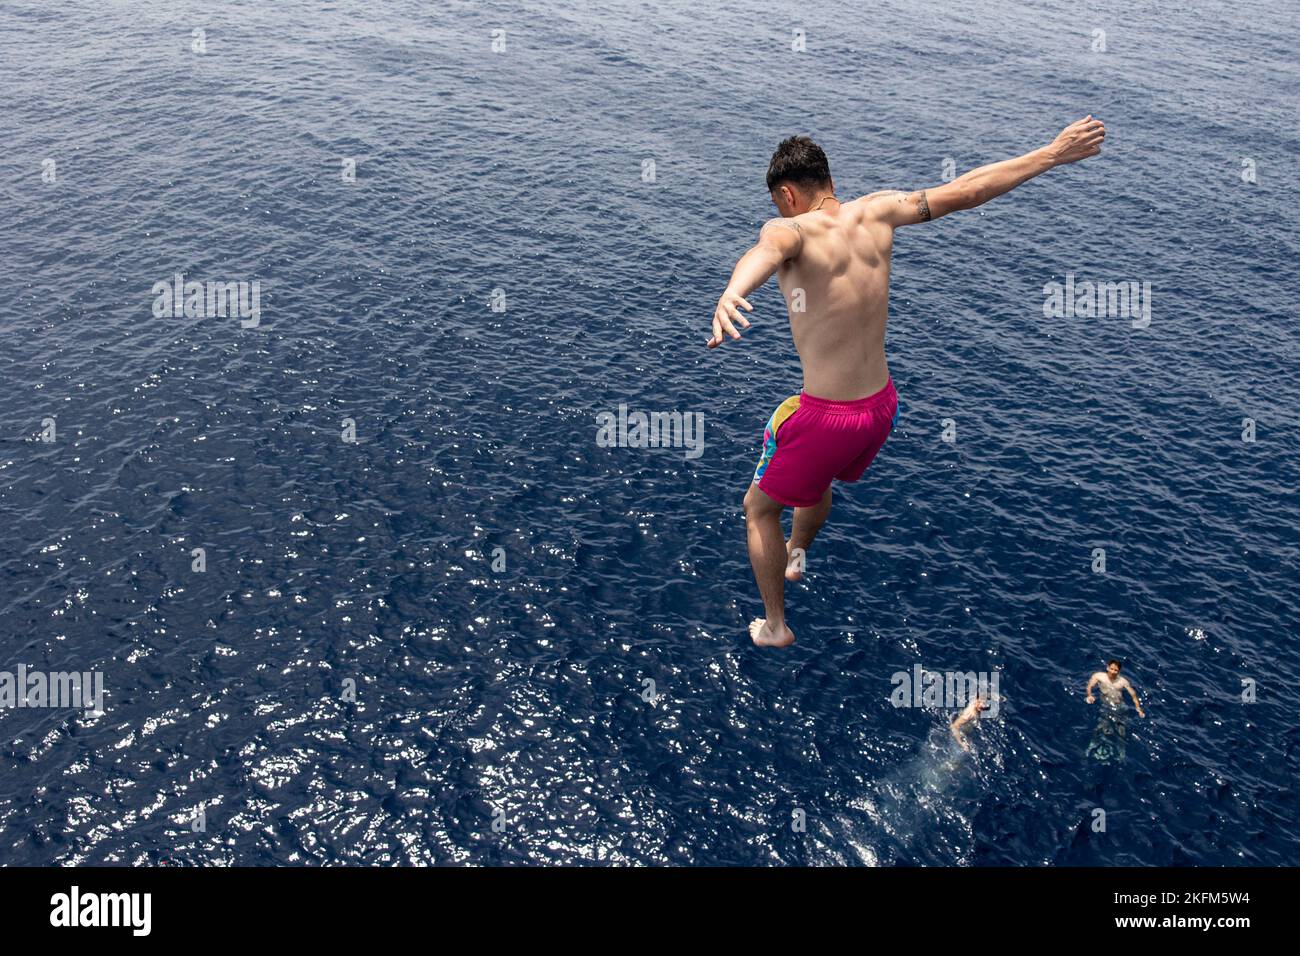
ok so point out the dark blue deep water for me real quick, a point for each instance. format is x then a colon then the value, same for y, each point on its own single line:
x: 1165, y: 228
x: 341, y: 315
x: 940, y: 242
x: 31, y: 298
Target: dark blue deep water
x: 514, y: 178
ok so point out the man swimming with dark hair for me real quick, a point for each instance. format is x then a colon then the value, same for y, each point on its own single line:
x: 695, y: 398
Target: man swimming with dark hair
x: 1113, y: 687
x: 831, y: 260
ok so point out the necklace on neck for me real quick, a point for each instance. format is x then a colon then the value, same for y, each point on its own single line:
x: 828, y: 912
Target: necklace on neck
x: 823, y: 199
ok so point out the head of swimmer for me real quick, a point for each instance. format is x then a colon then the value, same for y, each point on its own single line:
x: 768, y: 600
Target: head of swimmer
x: 799, y: 176
x: 1112, y: 669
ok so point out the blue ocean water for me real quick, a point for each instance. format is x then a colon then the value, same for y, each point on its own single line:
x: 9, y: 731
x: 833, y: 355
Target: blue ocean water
x: 503, y: 269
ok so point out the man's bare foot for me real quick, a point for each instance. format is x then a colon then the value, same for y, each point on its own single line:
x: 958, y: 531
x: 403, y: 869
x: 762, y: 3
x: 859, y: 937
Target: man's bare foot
x: 764, y: 636
x: 796, y: 561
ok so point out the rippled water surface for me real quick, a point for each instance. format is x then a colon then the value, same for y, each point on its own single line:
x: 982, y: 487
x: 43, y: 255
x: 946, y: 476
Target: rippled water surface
x: 520, y: 694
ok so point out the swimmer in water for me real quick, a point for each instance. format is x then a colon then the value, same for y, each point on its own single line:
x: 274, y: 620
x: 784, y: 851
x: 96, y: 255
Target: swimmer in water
x: 1113, y: 687
x: 831, y: 259
x: 972, y: 711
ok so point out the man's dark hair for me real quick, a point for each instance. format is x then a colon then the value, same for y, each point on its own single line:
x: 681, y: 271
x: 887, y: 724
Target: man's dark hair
x: 1115, y: 662
x: 800, y: 161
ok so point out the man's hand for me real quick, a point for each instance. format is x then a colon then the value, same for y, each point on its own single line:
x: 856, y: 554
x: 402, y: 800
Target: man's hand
x: 1090, y: 699
x: 727, y: 316
x: 1079, y: 140
x: 778, y: 240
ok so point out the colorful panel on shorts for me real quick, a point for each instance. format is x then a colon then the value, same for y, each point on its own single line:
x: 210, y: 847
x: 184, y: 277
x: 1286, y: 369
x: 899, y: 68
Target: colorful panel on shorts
x: 783, y: 411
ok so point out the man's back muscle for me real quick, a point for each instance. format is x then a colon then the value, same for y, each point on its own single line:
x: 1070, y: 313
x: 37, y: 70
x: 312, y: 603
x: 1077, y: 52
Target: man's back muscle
x: 837, y: 293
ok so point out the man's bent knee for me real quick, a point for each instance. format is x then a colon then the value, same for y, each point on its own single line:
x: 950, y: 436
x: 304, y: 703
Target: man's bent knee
x: 758, y: 504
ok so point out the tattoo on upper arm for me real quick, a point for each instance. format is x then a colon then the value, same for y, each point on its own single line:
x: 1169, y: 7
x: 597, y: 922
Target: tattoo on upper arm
x: 923, y: 207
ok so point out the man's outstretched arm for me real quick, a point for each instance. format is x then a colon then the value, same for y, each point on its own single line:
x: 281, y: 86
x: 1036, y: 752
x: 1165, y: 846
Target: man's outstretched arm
x: 1079, y: 140
x: 778, y: 240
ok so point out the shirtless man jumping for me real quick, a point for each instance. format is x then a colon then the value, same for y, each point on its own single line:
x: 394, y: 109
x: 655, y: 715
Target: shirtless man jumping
x: 832, y: 262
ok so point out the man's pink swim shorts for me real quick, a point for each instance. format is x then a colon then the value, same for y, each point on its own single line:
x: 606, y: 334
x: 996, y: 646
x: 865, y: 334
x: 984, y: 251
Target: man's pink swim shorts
x: 808, y: 441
